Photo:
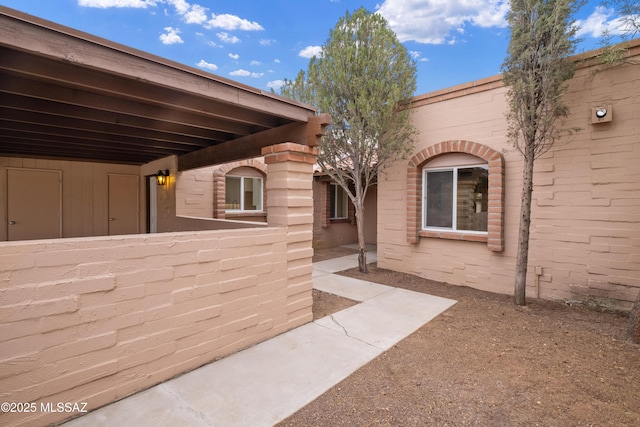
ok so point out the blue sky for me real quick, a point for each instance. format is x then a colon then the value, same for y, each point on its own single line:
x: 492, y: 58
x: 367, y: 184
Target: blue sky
x: 262, y: 42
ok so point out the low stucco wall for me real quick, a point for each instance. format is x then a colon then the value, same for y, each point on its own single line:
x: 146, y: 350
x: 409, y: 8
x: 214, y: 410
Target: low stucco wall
x: 96, y: 319
x: 92, y: 320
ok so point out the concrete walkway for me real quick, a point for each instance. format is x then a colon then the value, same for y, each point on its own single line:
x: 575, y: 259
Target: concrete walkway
x: 266, y: 383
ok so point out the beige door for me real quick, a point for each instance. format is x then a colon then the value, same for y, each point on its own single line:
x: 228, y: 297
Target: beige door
x: 123, y: 204
x: 34, y: 204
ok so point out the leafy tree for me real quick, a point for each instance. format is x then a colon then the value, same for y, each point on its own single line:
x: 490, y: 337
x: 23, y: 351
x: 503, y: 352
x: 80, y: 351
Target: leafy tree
x: 365, y: 80
x: 535, y: 71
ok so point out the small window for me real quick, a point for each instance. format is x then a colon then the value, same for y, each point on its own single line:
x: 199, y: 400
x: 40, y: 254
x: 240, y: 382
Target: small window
x: 338, y: 202
x: 456, y: 198
x: 243, y: 193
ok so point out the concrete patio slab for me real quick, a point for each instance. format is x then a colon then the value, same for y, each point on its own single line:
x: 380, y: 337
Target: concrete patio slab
x: 386, y: 318
x: 274, y: 379
x: 421, y: 306
x: 379, y: 328
x: 343, y: 263
x: 357, y: 290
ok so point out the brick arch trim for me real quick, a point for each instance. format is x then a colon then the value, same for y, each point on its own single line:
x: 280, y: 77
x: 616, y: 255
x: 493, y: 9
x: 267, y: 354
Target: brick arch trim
x: 219, y: 186
x: 252, y: 163
x: 495, y: 162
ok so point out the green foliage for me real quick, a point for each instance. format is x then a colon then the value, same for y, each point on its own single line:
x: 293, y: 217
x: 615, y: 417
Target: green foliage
x: 365, y: 79
x: 536, y: 69
x: 298, y: 89
x: 628, y: 12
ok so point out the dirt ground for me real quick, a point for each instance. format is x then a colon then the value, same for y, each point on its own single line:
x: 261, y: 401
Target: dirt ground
x: 486, y: 362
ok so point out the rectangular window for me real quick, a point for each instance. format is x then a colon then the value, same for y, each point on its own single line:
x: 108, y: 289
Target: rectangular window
x: 456, y: 198
x: 338, y: 202
x: 243, y: 193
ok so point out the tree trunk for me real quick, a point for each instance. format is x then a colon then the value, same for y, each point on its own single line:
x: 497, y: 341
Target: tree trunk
x: 633, y: 330
x: 362, y: 256
x: 522, y: 258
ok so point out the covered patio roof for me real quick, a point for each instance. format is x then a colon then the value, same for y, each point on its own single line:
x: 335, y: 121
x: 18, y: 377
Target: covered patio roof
x: 70, y: 95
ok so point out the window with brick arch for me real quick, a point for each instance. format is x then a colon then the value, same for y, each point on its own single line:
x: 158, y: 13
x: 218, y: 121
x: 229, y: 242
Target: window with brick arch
x: 243, y: 190
x: 455, y: 198
x: 456, y: 191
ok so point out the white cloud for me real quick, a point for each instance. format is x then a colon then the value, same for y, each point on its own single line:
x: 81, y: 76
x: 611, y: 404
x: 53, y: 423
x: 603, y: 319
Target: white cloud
x: 275, y: 84
x: 117, y: 3
x: 196, y: 15
x: 181, y: 6
x: 311, y: 51
x: 207, y: 65
x: 254, y: 62
x: 226, y: 38
x: 417, y: 56
x: 234, y: 56
x: 245, y: 73
x: 433, y: 22
x: 277, y: 61
x: 171, y: 37
x: 598, y: 22
x: 232, y: 22
x: 266, y: 42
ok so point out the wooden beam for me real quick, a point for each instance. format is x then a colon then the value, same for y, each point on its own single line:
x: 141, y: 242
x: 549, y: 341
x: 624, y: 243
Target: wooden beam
x: 316, y: 128
x: 251, y: 145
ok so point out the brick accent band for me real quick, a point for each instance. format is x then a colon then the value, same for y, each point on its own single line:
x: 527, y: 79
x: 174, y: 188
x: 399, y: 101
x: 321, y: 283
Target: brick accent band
x: 289, y: 152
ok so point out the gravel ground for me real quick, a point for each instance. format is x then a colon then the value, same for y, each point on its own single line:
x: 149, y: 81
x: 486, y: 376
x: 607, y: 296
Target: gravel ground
x: 487, y: 362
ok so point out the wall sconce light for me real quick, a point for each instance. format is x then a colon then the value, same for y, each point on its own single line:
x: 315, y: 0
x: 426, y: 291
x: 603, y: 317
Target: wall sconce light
x: 162, y: 177
x: 602, y: 114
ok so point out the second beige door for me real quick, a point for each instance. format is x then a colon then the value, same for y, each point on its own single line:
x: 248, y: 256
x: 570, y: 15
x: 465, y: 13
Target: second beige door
x: 124, y: 217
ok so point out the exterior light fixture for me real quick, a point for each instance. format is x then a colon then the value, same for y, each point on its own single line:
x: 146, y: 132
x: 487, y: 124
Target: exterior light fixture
x: 162, y: 177
x: 602, y: 114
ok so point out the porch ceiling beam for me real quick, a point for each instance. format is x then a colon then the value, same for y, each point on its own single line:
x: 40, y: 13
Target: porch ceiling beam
x: 88, y: 139
x: 12, y: 104
x: 251, y: 145
x: 67, y: 74
x: 82, y: 146
x: 69, y: 96
x: 74, y: 127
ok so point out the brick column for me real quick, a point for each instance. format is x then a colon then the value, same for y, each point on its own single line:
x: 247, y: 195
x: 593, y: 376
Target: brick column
x: 219, y: 188
x: 290, y: 204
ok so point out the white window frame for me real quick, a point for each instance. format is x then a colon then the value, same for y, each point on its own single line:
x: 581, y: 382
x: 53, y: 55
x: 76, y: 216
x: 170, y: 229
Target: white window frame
x: 335, y: 190
x: 241, y: 201
x: 454, y: 211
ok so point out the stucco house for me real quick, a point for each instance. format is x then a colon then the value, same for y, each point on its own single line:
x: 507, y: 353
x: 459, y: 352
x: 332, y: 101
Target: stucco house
x: 215, y: 192
x: 109, y: 281
x: 334, y: 219
x: 451, y: 211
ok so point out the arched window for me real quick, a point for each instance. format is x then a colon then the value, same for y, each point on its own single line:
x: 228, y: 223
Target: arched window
x: 455, y: 191
x: 243, y: 190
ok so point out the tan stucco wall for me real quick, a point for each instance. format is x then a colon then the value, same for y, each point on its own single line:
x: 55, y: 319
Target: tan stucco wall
x: 585, y: 233
x: 200, y: 192
x: 84, y: 193
x: 96, y: 319
x: 329, y: 233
